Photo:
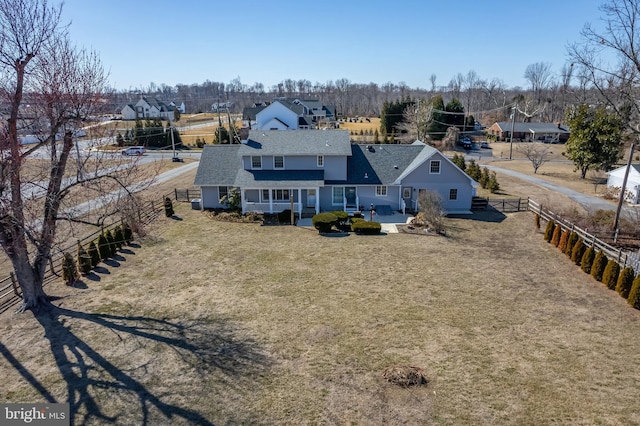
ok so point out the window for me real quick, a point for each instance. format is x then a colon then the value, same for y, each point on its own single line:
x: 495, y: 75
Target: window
x: 320, y: 160
x: 453, y: 194
x: 278, y: 162
x: 338, y: 195
x: 406, y: 192
x: 276, y: 195
x: 223, y: 191
x: 280, y: 194
x: 435, y: 167
x: 256, y: 162
x: 381, y: 191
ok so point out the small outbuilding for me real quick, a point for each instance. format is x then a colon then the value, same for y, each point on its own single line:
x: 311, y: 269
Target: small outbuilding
x: 632, y: 189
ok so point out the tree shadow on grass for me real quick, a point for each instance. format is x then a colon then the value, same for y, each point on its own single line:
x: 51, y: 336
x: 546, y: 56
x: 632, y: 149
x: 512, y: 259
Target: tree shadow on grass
x: 203, y: 347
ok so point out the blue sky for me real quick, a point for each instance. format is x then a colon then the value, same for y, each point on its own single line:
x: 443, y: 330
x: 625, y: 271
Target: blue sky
x: 191, y: 41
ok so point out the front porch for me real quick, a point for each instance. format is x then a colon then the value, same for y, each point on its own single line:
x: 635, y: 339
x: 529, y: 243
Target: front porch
x: 303, y: 201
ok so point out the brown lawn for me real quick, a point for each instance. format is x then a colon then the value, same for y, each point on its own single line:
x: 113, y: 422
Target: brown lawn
x: 206, y: 321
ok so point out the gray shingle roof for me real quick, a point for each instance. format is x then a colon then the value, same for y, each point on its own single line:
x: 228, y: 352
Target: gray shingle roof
x: 297, y: 142
x: 383, y: 164
x: 219, y: 165
x: 279, y: 178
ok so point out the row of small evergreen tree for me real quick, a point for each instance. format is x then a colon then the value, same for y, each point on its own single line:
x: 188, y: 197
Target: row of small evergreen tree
x: 593, y: 262
x: 149, y: 133
x: 488, y: 180
x: 105, y: 247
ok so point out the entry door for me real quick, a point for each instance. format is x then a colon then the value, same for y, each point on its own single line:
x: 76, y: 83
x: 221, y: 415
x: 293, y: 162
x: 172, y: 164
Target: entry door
x: 311, y: 197
x: 350, y: 195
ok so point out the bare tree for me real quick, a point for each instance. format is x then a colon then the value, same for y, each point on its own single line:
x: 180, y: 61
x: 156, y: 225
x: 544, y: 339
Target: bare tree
x: 50, y: 88
x: 431, y: 210
x: 609, y: 59
x: 539, y: 75
x: 415, y: 119
x: 536, y: 153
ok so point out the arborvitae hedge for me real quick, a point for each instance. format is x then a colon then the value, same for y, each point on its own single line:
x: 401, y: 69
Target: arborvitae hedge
x: 573, y: 239
x: 93, y: 254
x: 536, y: 220
x: 610, y: 275
x: 564, y: 239
x: 103, y: 247
x: 587, y: 260
x: 634, y: 294
x: 84, y: 260
x: 548, y: 232
x: 69, y: 271
x: 625, y: 281
x: 557, y: 232
x: 599, y: 263
x: 578, y: 251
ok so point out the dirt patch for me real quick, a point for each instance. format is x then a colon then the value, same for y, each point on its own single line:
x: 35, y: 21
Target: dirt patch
x: 405, y: 375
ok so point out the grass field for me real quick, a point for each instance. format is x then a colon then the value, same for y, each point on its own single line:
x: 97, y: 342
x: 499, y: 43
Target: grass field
x: 206, y: 321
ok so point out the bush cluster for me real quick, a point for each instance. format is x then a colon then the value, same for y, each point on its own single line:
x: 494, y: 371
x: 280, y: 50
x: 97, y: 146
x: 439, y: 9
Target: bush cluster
x: 324, y: 222
x: 366, y: 228
x: 548, y: 231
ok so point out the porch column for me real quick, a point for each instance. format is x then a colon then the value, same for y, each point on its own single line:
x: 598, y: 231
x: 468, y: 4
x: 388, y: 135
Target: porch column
x: 270, y: 201
x: 243, y: 200
x: 317, y: 200
x: 300, y: 203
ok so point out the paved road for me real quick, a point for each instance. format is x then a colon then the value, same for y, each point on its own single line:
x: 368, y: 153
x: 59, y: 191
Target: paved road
x: 589, y: 202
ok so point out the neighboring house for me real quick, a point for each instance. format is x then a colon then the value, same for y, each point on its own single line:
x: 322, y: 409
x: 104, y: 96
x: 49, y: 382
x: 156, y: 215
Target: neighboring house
x: 289, y: 114
x: 322, y: 171
x: 221, y: 106
x: 616, y: 177
x: 150, y: 108
x: 530, y: 132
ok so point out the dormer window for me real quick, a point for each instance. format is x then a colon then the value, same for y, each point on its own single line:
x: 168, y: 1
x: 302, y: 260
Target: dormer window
x: 256, y: 162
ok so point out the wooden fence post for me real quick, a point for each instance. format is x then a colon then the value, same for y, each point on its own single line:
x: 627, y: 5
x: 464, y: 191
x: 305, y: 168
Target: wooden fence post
x: 175, y: 191
x: 14, y: 284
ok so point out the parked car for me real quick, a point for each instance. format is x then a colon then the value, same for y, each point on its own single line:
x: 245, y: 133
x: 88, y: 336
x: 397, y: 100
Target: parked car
x: 484, y: 144
x: 467, y: 145
x: 134, y: 150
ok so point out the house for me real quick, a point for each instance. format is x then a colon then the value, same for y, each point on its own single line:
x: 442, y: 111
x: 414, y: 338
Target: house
x: 151, y: 108
x: 320, y: 170
x: 289, y: 114
x: 616, y: 177
x: 530, y: 132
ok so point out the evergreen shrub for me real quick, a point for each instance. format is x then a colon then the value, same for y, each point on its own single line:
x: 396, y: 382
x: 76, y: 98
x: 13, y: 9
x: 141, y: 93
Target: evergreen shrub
x: 587, y: 260
x: 625, y: 281
x: 599, y: 263
x: 548, y: 232
x: 84, y: 260
x: 564, y: 239
x: 69, y: 271
x: 573, y: 239
x: 557, y: 232
x: 93, y: 254
x: 577, y: 251
x: 634, y: 294
x: 366, y: 228
x: 323, y: 222
x: 103, y: 247
x: 610, y: 275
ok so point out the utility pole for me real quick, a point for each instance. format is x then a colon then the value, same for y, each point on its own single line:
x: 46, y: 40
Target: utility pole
x: 513, y: 123
x: 623, y: 189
